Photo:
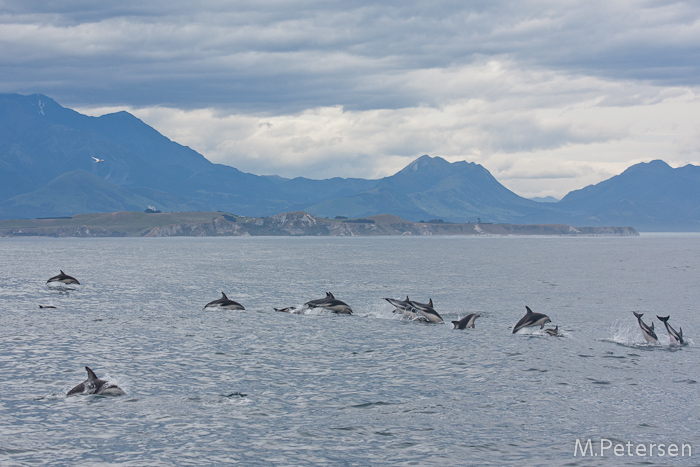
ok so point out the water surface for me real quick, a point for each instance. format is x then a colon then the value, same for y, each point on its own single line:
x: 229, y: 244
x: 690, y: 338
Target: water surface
x: 258, y: 387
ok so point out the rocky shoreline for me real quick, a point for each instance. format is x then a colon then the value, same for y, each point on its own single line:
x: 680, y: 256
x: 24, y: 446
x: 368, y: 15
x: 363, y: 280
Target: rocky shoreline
x: 299, y: 223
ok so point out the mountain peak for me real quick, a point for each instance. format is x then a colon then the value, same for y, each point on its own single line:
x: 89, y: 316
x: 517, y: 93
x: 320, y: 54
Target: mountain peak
x: 425, y: 162
x: 654, y: 166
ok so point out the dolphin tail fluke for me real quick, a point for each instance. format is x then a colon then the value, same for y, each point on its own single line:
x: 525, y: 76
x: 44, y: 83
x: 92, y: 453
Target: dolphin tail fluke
x: 662, y: 318
x: 638, y: 315
x: 455, y: 324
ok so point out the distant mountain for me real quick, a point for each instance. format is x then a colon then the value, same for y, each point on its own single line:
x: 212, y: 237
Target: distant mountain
x: 650, y: 196
x: 430, y: 188
x: 47, y: 169
x: 41, y: 140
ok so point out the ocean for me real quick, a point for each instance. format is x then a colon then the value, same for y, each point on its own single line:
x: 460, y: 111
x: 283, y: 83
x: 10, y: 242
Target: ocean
x: 259, y: 387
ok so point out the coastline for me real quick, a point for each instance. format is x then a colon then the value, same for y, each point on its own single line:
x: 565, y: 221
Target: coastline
x: 297, y: 223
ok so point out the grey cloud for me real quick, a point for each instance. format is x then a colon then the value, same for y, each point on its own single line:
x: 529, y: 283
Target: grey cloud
x: 280, y: 57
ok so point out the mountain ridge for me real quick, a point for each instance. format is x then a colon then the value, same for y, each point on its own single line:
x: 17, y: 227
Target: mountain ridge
x: 41, y: 141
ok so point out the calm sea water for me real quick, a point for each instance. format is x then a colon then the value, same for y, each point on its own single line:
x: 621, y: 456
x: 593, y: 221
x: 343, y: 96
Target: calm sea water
x: 257, y: 387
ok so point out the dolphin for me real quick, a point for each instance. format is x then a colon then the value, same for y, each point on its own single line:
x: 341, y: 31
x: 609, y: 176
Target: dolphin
x: 320, y: 301
x: 647, y: 331
x: 398, y: 304
x: 426, y: 310
x: 336, y: 306
x: 224, y: 303
x: 466, y: 322
x: 421, y: 305
x: 675, y: 337
x: 63, y: 278
x: 531, y: 319
x: 553, y: 332
x: 406, y: 309
x: 93, y: 385
x: 329, y: 302
x: 46, y: 306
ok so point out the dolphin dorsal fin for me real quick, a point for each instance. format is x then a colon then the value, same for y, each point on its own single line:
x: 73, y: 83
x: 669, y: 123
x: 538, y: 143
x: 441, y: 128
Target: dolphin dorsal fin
x: 223, y: 295
x: 91, y: 374
x: 652, y: 326
x: 680, y: 332
x: 430, y: 303
x: 62, y: 273
x: 528, y: 309
x: 407, y: 298
x: 330, y: 295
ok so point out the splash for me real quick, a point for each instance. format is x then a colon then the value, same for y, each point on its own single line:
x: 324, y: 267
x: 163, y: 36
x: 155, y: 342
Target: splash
x: 629, y: 335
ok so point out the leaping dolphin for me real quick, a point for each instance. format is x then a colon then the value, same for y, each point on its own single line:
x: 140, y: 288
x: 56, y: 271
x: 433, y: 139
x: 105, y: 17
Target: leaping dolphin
x: 421, y: 305
x: 406, y: 309
x: 398, y: 304
x: 224, y: 303
x: 336, y: 306
x: 63, y: 278
x: 466, y: 322
x: 676, y: 338
x: 553, y: 332
x: 647, y: 331
x: 94, y: 385
x: 426, y: 310
x: 330, y: 303
x: 320, y: 301
x: 531, y: 319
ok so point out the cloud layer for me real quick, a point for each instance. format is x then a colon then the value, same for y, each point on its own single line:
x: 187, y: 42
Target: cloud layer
x: 548, y: 96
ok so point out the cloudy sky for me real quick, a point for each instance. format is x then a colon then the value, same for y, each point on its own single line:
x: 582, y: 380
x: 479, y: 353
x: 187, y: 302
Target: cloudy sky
x: 549, y: 96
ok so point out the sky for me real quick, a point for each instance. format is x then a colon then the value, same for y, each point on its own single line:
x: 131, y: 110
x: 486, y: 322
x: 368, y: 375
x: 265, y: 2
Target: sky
x: 548, y: 95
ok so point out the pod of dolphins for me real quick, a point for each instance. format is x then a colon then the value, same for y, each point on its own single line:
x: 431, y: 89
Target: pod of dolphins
x: 409, y: 309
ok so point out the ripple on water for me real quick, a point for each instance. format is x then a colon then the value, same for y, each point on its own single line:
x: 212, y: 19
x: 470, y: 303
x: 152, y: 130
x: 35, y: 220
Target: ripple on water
x: 266, y: 388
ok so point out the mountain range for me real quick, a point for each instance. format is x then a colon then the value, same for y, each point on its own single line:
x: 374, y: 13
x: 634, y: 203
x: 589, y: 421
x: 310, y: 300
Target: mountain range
x: 47, y: 170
